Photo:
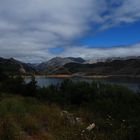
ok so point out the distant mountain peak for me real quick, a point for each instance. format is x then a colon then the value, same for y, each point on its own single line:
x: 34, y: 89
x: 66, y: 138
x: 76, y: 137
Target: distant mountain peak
x: 58, y: 62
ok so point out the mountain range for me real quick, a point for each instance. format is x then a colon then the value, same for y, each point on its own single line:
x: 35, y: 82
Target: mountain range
x: 13, y: 66
x: 74, y: 66
x: 56, y: 63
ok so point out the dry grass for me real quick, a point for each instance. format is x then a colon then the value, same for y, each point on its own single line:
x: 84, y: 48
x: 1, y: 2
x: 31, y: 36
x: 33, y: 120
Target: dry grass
x: 24, y: 118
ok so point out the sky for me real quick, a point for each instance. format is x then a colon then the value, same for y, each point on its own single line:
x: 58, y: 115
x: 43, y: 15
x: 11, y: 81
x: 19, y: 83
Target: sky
x: 38, y: 30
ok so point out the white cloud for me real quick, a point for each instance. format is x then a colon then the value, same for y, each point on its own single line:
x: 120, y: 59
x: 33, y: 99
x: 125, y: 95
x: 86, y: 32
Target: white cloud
x: 126, y: 11
x: 28, y: 28
x: 97, y: 53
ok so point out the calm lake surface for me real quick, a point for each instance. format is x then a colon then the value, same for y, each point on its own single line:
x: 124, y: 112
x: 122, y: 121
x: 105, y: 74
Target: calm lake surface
x: 131, y: 83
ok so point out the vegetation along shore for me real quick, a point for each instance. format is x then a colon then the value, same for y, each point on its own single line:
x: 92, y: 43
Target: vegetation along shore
x: 69, y: 111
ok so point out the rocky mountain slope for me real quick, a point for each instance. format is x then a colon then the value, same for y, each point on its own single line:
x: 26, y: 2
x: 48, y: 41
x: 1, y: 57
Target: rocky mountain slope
x: 114, y: 67
x: 56, y: 63
x: 13, y: 66
x: 74, y: 66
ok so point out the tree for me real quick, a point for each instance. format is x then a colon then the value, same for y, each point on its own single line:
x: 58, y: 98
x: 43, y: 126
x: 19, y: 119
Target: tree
x: 32, y: 87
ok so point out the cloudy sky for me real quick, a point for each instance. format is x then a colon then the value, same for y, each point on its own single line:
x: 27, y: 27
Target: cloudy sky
x: 37, y: 30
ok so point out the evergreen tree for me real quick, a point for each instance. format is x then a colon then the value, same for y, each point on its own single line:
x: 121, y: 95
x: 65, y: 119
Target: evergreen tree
x: 32, y: 87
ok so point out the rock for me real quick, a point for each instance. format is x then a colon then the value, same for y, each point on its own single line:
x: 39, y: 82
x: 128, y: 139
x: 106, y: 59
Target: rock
x: 79, y: 120
x: 91, y: 126
x: 71, y: 119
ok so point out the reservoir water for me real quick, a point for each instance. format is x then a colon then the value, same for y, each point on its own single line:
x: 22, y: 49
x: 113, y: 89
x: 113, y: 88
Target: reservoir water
x: 131, y: 83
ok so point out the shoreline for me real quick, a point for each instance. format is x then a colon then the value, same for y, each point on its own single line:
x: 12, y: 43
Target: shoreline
x: 88, y: 76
